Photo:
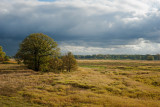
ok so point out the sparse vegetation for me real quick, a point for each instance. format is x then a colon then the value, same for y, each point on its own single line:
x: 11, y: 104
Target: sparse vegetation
x: 95, y: 83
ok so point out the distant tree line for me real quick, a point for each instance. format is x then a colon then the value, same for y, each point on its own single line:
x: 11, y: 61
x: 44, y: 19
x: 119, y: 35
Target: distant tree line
x: 119, y: 57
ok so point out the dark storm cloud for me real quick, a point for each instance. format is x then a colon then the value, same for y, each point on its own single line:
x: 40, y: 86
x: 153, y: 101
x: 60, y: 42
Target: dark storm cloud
x: 102, y: 24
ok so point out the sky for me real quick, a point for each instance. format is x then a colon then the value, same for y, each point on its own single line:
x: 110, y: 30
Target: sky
x: 84, y: 26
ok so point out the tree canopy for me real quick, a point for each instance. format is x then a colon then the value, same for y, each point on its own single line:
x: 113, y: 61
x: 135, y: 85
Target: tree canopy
x: 69, y: 62
x: 36, y: 50
x: 2, y: 54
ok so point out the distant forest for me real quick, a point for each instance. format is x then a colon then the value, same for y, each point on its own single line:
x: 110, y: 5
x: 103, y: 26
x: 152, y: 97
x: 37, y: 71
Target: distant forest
x: 119, y: 57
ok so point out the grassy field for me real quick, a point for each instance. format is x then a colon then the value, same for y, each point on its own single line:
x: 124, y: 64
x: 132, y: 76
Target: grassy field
x: 96, y: 83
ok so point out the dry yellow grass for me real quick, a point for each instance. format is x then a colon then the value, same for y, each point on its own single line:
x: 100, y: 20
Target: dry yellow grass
x: 96, y: 83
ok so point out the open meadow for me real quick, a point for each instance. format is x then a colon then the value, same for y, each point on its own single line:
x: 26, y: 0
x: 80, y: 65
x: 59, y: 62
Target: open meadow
x: 96, y: 83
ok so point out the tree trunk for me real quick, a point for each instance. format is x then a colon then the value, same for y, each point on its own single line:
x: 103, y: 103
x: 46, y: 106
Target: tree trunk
x: 36, y: 62
x: 38, y: 65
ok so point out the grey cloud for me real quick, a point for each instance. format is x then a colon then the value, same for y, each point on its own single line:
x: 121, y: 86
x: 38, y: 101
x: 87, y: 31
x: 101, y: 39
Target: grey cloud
x: 84, y: 23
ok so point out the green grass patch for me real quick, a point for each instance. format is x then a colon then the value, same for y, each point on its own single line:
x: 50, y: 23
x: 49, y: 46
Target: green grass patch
x: 93, y: 66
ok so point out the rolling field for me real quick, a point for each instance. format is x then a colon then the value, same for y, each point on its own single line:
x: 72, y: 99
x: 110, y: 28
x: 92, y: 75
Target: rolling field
x: 96, y: 83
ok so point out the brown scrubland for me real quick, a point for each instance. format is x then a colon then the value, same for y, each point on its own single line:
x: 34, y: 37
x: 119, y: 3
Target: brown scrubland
x: 96, y: 83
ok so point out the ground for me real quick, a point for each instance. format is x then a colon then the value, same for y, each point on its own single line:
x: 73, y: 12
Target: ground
x: 96, y: 83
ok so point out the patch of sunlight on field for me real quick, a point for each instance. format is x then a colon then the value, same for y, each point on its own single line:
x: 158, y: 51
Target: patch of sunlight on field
x: 103, y: 83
